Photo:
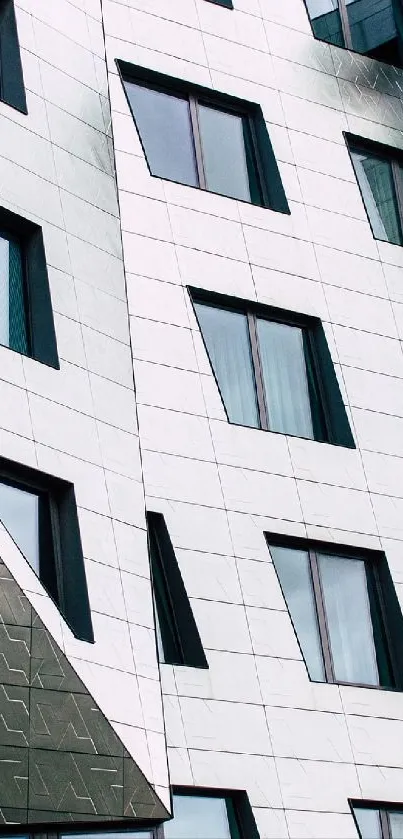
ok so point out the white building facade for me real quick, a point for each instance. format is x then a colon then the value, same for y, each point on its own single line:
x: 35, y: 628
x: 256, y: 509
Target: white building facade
x: 201, y: 324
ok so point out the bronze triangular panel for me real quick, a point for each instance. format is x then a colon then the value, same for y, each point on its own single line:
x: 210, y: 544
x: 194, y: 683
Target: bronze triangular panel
x: 60, y: 759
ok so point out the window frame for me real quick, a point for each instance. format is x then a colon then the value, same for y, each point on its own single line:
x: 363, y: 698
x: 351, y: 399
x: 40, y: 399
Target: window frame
x: 12, y: 88
x: 61, y: 536
x: 372, y: 562
x: 346, y: 32
x: 260, y: 155
x: 227, y: 4
x: 391, y: 155
x: 384, y: 809
x: 252, y: 314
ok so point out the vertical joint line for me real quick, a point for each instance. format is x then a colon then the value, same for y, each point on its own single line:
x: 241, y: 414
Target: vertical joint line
x: 322, y: 622
x: 194, y: 119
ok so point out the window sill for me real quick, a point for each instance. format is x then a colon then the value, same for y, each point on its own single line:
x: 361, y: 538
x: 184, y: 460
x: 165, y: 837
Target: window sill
x: 21, y: 110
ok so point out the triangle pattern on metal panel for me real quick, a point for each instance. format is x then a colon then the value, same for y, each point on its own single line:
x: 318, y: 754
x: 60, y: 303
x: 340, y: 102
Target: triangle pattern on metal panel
x: 60, y: 759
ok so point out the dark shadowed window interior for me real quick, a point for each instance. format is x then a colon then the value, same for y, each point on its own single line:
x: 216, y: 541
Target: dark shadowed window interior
x: 370, y: 27
x: 380, y: 178
x: 40, y: 514
x: 204, y: 139
x: 375, y: 822
x: 12, y: 89
x: 336, y: 603
x: 13, y: 320
x: 270, y: 372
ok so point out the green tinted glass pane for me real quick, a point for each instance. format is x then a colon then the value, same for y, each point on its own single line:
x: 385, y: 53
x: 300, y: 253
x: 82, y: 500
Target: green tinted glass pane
x: 372, y: 24
x: 13, y: 328
x: 368, y: 822
x: 374, y: 175
x: 224, y: 154
x: 326, y: 22
x: 293, y: 570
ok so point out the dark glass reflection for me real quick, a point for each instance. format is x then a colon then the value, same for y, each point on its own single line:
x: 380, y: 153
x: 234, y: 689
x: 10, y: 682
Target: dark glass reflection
x: 163, y: 122
x: 326, y: 21
x: 372, y: 26
x: 13, y: 331
x: 375, y: 179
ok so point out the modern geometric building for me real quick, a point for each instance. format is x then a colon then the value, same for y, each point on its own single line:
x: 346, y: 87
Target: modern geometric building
x: 201, y: 419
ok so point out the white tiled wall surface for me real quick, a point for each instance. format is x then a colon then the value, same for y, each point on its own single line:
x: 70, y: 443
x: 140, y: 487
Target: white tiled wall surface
x: 253, y: 720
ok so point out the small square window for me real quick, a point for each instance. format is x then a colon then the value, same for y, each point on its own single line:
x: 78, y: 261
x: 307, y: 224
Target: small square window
x: 379, y: 172
x: 337, y: 605
x: 40, y: 514
x: 202, y: 139
x: 26, y: 317
x: 273, y: 370
x: 378, y: 822
x: 12, y: 89
x: 370, y: 27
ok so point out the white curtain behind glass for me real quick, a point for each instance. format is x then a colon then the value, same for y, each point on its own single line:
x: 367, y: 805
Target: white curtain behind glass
x: 285, y: 378
x: 349, y: 622
x: 4, y: 293
x: 227, y: 340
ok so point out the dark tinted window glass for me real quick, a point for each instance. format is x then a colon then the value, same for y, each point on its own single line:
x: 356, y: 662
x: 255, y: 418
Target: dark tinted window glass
x: 374, y: 175
x: 372, y: 23
x: 165, y: 130
x: 294, y: 573
x: 13, y: 329
x: 19, y: 512
x: 169, y: 648
x: 326, y: 23
x: 227, y: 340
x: 224, y: 155
x: 285, y: 378
x: 199, y: 817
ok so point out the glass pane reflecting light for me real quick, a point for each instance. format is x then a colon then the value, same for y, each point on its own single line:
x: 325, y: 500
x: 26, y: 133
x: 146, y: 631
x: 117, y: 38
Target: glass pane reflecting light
x: 198, y: 817
x: 372, y: 23
x: 163, y: 121
x: 369, y: 823
x: 224, y: 156
x: 375, y: 179
x: 19, y: 512
x: 326, y: 22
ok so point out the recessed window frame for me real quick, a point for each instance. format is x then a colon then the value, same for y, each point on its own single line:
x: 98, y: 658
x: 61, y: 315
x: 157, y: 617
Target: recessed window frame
x: 226, y: 3
x: 377, y: 573
x: 266, y: 188
x: 384, y: 809
x: 12, y: 89
x: 241, y: 820
x: 61, y: 570
x: 347, y: 36
x: 312, y: 334
x: 392, y: 155
x: 39, y: 322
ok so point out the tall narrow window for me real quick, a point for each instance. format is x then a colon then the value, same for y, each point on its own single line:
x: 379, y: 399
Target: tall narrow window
x: 380, y: 178
x: 12, y: 89
x: 378, y: 822
x: 40, y: 515
x: 370, y: 27
x: 26, y: 317
x: 199, y: 138
x: 178, y: 639
x: 270, y: 372
x: 336, y: 606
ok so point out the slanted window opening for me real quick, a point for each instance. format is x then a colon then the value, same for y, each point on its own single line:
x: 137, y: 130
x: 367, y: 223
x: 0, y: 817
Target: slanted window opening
x: 369, y: 27
x: 226, y: 3
x: 12, y: 90
x: 26, y: 315
x: 378, y: 821
x: 273, y: 369
x: 337, y: 603
x: 40, y: 514
x: 379, y: 173
x: 200, y: 138
x: 178, y: 639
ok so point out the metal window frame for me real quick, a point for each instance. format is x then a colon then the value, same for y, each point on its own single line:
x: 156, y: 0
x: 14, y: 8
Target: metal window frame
x: 323, y: 628
x: 386, y: 154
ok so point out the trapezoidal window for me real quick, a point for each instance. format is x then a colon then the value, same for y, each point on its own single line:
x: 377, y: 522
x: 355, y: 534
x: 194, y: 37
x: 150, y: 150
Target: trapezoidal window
x: 378, y: 822
x: 178, y: 639
x: 204, y: 139
x: 370, y: 27
x: 12, y: 89
x: 40, y: 514
x: 210, y: 815
x: 379, y: 172
x: 26, y: 317
x: 337, y: 603
x: 273, y: 370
